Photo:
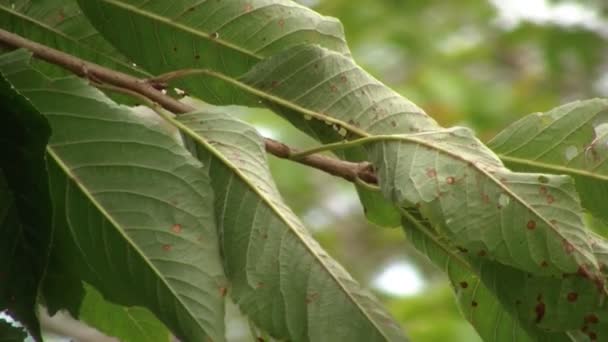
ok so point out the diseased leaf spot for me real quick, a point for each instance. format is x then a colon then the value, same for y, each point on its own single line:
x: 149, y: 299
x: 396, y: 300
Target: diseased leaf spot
x: 582, y: 271
x: 176, y: 228
x: 248, y: 7
x: 167, y: 247
x: 259, y: 285
x: 544, y: 263
x: 474, y: 304
x: 482, y: 253
x: 543, y: 179
x: 281, y: 23
x: 333, y: 88
x: 591, y: 318
x: 568, y: 247
x: 593, y: 336
x: 312, y: 297
x: 450, y: 180
x: 462, y: 249
x: 223, y: 291
x: 393, y: 123
x: 550, y: 199
x: 542, y: 190
x: 431, y: 173
x: 464, y: 284
x: 343, y: 79
x: 197, y: 57
x: 531, y: 225
x: 539, y: 309
x: 572, y: 297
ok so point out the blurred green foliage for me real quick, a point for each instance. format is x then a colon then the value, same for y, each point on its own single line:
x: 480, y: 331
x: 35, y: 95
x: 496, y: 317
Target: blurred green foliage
x: 456, y: 60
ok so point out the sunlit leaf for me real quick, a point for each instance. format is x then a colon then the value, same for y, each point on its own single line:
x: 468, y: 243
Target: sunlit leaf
x: 136, y: 205
x: 280, y: 276
x: 571, y: 139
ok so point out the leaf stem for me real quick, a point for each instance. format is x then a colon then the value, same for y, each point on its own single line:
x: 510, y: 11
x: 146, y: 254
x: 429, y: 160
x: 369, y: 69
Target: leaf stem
x: 148, y: 89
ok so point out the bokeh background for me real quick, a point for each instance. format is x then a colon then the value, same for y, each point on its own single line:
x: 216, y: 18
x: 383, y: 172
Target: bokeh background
x: 477, y: 63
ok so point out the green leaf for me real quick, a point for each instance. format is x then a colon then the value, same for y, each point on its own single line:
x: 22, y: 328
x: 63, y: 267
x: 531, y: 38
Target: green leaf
x: 137, y: 208
x: 477, y: 301
x: 280, y: 276
x: 133, y: 324
x: 570, y: 139
x: 458, y: 183
x: 60, y: 24
x: 25, y: 207
x: 9, y: 333
x: 227, y: 36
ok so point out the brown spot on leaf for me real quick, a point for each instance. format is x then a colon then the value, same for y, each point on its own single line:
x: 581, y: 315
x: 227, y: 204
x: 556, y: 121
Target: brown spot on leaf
x: 223, y: 291
x: 568, y: 247
x: 333, y: 88
x: 167, y: 247
x: 531, y: 225
x: 539, y: 309
x: 550, y: 199
x: 281, y: 23
x: 197, y: 57
x: 572, y: 297
x: 248, y: 7
x: 542, y: 190
x: 431, y: 173
x: 474, y: 304
x: 543, y: 179
x: 343, y: 79
x: 464, y: 284
x: 450, y: 180
x: 312, y: 297
x: 593, y: 336
x: 544, y: 263
x: 176, y: 228
x: 393, y: 123
x: 462, y: 249
x: 583, y: 272
x: 591, y: 318
x: 482, y: 253
x: 259, y: 285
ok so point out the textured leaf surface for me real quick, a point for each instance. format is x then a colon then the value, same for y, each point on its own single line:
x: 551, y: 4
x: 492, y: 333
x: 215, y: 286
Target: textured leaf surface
x: 530, y: 221
x: 571, y: 139
x: 25, y: 207
x: 137, y: 206
x: 280, y: 276
x: 478, y: 302
x: 60, y: 24
x: 133, y: 324
x: 227, y: 36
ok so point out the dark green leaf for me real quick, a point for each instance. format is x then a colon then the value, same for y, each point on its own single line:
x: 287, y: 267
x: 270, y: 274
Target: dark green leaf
x: 25, y: 208
x: 137, y: 208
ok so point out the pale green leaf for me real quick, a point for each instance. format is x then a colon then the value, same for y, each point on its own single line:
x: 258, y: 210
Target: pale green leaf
x: 136, y: 206
x: 227, y: 36
x: 477, y: 301
x: 281, y: 278
x: 458, y: 183
x: 133, y: 324
x: 571, y: 139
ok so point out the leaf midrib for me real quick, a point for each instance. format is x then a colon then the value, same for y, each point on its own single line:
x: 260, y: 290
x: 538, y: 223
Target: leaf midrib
x: 115, y: 224
x: 277, y: 210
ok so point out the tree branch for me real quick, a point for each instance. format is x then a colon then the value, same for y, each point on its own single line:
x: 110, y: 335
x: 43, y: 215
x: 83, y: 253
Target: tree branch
x: 344, y: 169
